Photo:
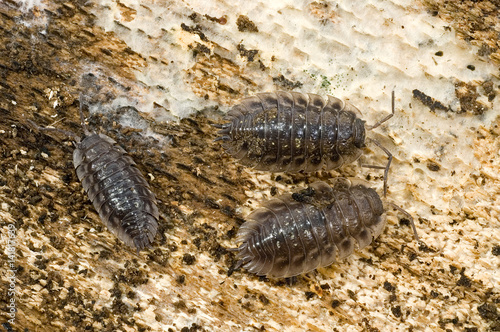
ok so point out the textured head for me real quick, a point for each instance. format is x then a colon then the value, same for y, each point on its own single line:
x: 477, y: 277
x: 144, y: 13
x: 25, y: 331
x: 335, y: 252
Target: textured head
x: 359, y: 133
x: 90, y: 146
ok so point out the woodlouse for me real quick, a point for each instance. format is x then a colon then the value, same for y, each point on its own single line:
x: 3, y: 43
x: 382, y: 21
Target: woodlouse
x: 119, y: 192
x: 297, y: 233
x: 291, y: 131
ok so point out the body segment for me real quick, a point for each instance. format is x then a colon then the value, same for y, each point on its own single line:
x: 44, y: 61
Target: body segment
x: 117, y: 189
x: 119, y: 192
x: 297, y: 233
x: 291, y: 131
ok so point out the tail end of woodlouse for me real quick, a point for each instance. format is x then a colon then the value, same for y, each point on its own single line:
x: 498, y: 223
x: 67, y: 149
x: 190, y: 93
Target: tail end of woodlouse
x: 225, y: 138
x: 245, y: 253
x: 142, y: 242
x: 142, y: 233
x: 240, y: 261
x: 225, y: 129
x: 236, y: 265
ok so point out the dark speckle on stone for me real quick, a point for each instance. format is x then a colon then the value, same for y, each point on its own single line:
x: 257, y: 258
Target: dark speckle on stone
x: 310, y: 295
x: 396, y: 311
x: 488, y: 311
x: 464, y: 280
x: 274, y: 191
x: 194, y: 29
x: 200, y: 48
x: 471, y: 329
x: 404, y: 222
x: 263, y: 299
x: 7, y: 327
x: 496, y: 250
x: 245, y: 25
x: 432, y: 166
x: 389, y: 287
x: 67, y: 178
x: 188, y: 259
x: 181, y: 279
x: 304, y: 195
x: 467, y: 93
x: 429, y: 101
x: 485, y: 50
x: 286, y: 83
x: 249, y: 54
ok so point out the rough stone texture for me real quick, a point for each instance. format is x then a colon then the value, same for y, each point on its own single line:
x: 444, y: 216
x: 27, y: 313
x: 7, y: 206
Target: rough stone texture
x: 144, y: 65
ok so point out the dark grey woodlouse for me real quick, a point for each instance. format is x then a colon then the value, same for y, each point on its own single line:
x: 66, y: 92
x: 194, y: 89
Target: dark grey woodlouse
x: 119, y: 192
x: 291, y: 131
x: 297, y: 233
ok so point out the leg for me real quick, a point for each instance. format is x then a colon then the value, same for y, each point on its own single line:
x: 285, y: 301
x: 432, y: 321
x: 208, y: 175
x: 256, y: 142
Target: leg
x: 225, y: 130
x: 68, y: 133
x: 409, y: 218
x: 221, y: 126
x: 384, y: 119
x: 82, y: 118
x: 291, y: 281
x: 386, y: 172
x: 235, y: 266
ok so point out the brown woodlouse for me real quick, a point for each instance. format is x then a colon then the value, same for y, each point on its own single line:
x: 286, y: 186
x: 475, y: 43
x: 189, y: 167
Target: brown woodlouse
x: 291, y: 132
x: 297, y: 233
x: 119, y: 192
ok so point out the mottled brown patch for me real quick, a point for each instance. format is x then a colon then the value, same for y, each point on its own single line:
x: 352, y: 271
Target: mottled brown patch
x: 245, y: 24
x: 51, y: 57
x: 430, y: 102
x: 467, y: 94
x: 128, y: 14
x: 477, y: 22
x: 55, y: 222
x: 322, y: 11
x: 221, y: 20
x: 249, y: 54
x: 217, y: 78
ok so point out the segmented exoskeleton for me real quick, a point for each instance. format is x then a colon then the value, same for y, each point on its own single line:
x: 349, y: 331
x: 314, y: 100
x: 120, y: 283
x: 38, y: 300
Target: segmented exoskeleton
x: 291, y: 131
x: 297, y: 233
x: 119, y: 192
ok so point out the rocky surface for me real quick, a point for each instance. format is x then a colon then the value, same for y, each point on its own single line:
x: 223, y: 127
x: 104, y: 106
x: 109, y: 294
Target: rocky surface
x: 156, y: 75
